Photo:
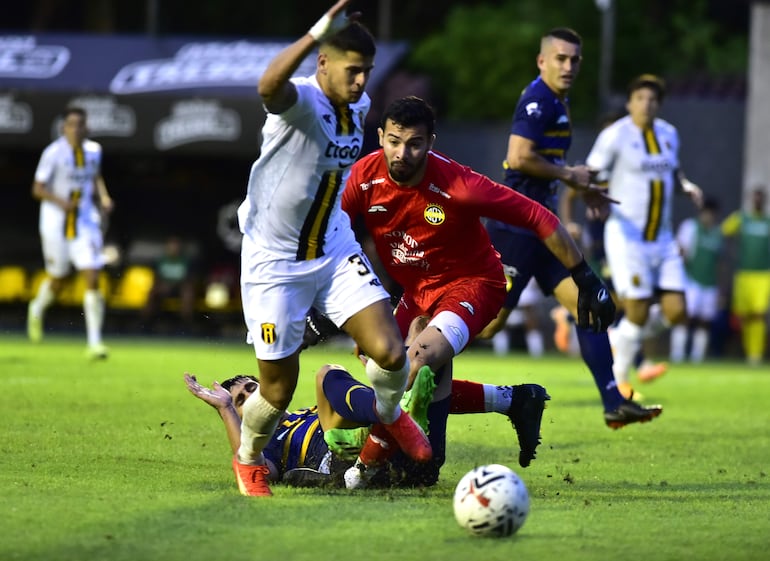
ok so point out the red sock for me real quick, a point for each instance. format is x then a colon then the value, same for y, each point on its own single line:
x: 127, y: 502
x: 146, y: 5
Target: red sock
x: 379, y: 446
x: 467, y: 397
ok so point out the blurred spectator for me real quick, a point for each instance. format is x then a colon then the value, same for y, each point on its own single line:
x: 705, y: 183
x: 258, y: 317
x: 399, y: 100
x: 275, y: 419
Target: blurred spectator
x: 751, y: 287
x: 175, y: 277
x: 700, y: 241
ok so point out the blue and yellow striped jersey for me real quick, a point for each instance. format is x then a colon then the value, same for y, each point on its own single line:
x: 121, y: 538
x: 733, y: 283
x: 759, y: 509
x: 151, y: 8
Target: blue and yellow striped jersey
x: 298, y: 441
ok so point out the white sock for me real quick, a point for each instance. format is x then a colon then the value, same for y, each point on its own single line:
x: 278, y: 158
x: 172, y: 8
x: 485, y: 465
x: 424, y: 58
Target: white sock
x: 259, y: 422
x: 678, y: 342
x: 626, y: 342
x: 500, y: 342
x: 700, y: 341
x: 497, y: 399
x: 389, y: 386
x: 535, y: 344
x: 93, y: 309
x: 43, y: 299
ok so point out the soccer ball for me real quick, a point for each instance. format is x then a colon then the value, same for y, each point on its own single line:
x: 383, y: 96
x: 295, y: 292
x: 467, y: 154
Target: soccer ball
x: 491, y: 500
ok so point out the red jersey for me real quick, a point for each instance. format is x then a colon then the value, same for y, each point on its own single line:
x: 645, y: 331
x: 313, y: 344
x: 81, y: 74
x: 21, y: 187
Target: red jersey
x: 431, y: 234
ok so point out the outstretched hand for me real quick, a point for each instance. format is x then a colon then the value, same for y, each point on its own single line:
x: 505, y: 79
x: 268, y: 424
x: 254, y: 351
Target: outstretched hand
x: 597, y: 202
x: 216, y: 396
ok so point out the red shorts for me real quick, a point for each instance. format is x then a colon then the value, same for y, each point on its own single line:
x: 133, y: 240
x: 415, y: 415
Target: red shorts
x: 476, y: 301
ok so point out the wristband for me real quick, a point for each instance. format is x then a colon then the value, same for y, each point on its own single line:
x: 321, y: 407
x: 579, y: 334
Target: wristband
x: 580, y: 269
x: 327, y: 26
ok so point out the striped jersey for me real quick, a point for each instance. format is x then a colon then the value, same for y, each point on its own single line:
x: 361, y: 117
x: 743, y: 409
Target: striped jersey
x: 292, y: 206
x: 640, y: 166
x: 298, y: 441
x: 69, y: 173
x: 540, y: 116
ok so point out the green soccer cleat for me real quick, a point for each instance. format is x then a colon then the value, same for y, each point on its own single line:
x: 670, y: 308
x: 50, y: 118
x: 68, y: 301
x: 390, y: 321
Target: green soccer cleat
x: 416, y: 400
x: 346, y: 443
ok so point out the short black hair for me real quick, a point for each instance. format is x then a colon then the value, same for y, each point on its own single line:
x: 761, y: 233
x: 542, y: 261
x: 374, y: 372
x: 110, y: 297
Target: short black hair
x: 410, y: 111
x: 230, y: 382
x: 565, y: 34
x: 711, y: 204
x: 354, y: 37
x: 651, y: 81
x: 73, y: 110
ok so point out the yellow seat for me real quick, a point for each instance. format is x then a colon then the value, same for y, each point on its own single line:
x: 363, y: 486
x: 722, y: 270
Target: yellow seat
x: 13, y: 283
x: 133, y: 287
x: 37, y: 279
x: 74, y: 289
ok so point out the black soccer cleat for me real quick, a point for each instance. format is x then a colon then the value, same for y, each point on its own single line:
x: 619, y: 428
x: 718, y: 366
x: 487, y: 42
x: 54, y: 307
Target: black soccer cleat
x: 526, y: 412
x: 631, y: 412
x: 307, y: 477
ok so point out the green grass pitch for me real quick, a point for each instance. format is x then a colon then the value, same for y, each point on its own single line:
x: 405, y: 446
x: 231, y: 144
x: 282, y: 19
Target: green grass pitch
x: 116, y: 461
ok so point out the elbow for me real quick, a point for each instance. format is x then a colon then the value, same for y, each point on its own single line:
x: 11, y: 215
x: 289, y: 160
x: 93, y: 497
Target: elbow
x: 263, y: 91
x: 516, y: 161
x: 267, y: 87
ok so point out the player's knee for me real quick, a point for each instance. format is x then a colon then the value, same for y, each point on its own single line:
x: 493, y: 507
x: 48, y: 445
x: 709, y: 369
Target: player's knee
x: 388, y: 354
x: 321, y: 374
x: 677, y: 316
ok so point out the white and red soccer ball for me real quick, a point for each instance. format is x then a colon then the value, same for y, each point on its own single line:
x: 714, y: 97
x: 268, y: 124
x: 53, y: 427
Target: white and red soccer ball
x: 491, y: 500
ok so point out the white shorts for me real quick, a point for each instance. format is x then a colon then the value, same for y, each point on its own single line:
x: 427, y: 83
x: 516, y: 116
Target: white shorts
x: 702, y: 301
x: 639, y: 268
x: 277, y: 294
x: 531, y: 294
x: 83, y: 252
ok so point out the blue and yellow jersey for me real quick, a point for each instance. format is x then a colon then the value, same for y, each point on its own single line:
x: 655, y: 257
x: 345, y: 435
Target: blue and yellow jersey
x: 298, y: 441
x: 543, y: 118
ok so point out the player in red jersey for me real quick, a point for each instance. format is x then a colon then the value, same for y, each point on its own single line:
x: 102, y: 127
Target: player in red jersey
x: 423, y: 212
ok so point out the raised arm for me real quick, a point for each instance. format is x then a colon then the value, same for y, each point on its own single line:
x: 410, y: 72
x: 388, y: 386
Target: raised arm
x: 277, y: 92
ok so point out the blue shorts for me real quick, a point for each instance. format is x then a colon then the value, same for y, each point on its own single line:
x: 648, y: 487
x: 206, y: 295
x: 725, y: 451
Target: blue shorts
x: 524, y: 256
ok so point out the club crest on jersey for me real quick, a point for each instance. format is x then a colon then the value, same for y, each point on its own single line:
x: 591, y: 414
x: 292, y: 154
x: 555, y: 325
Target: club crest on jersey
x: 434, y: 215
x: 268, y: 333
x: 533, y: 109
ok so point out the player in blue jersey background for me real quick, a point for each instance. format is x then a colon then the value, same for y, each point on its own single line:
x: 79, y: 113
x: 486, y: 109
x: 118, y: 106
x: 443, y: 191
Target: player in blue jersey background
x: 535, y: 164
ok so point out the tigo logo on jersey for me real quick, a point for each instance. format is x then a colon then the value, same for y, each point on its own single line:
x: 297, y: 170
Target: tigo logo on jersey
x: 268, y: 333
x: 434, y: 215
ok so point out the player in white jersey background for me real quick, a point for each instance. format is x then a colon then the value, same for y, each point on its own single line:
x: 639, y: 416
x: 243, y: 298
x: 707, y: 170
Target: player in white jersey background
x: 299, y: 250
x: 72, y: 194
x: 638, y: 155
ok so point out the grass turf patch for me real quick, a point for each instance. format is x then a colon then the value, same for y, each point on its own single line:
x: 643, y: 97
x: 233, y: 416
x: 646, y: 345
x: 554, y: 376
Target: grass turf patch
x: 116, y: 461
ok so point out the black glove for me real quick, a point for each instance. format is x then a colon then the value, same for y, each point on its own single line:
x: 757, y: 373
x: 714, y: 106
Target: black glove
x: 318, y: 328
x: 594, y: 299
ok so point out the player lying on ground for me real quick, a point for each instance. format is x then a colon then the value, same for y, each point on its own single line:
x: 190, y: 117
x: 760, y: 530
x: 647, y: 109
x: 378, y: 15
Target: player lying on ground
x: 298, y: 454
